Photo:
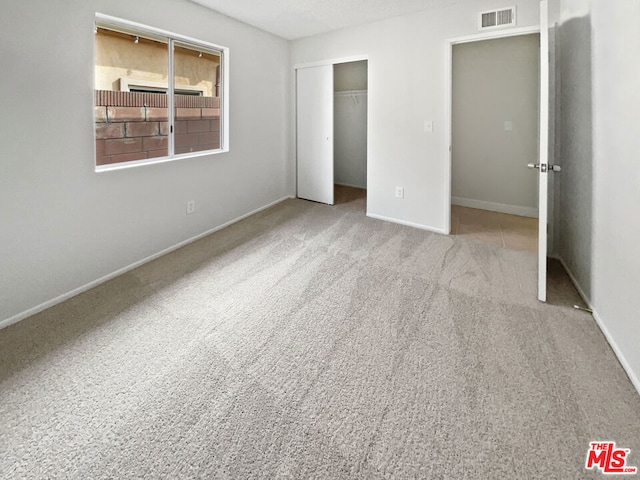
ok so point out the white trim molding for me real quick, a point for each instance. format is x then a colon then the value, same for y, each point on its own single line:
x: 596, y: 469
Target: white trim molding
x: 362, y: 187
x: 633, y: 377
x: 333, y: 61
x: 407, y: 224
x: 495, y: 207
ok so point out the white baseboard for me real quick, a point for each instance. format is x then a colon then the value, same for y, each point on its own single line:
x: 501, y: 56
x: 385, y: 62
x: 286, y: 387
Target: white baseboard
x: 350, y: 185
x: 614, y: 346
x: 408, y: 224
x: 95, y: 283
x: 495, y: 207
x: 603, y: 328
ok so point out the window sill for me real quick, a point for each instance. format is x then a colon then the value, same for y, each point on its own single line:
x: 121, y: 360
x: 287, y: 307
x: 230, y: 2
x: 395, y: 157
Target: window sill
x: 153, y: 161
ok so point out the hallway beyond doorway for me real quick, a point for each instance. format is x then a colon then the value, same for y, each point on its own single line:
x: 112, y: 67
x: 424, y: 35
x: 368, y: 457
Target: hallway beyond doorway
x: 508, y: 231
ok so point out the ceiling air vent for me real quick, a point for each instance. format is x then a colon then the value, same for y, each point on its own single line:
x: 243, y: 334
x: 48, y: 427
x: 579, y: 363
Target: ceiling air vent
x: 500, y: 18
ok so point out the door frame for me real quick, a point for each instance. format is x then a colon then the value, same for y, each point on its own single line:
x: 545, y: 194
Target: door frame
x: 332, y: 61
x: 513, y: 32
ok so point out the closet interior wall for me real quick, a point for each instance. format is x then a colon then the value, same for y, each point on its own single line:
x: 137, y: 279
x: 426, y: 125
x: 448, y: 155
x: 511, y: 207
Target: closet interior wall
x: 350, y: 124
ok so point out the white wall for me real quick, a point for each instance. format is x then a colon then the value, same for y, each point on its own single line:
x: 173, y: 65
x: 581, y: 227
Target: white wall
x: 62, y: 225
x: 599, y: 138
x: 496, y: 81
x: 407, y: 57
x: 616, y: 168
x: 350, y: 124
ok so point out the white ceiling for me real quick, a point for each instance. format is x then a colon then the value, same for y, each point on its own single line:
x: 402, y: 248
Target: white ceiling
x: 293, y: 19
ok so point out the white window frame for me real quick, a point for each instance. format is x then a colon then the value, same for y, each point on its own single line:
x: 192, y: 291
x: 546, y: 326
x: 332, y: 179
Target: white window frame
x: 133, y: 28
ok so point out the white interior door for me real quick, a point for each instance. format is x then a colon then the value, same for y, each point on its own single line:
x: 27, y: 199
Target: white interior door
x: 543, y: 162
x: 314, y: 126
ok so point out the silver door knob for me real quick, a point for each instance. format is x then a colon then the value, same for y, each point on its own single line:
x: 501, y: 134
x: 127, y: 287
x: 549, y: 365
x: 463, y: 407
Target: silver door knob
x: 555, y: 168
x: 533, y: 165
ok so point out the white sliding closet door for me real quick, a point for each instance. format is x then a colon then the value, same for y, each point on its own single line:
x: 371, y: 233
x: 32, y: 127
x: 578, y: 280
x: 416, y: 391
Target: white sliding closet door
x: 314, y: 125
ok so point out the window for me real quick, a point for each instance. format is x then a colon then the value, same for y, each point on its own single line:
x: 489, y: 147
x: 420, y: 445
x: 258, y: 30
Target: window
x: 158, y: 96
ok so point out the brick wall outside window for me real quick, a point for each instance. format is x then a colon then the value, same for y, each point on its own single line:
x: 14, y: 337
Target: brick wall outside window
x: 133, y: 126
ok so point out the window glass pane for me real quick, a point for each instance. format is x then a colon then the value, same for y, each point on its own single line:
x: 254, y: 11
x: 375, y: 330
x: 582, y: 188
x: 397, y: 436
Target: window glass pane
x: 131, y: 74
x: 197, y: 99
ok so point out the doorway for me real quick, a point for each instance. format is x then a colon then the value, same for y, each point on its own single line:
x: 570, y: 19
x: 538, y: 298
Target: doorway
x: 494, y: 134
x: 545, y: 158
x: 331, y: 131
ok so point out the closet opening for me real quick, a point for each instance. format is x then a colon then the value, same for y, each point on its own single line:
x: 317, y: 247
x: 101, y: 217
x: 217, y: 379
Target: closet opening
x: 350, y: 133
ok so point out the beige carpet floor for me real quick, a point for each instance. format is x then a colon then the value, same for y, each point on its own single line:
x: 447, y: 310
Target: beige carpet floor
x: 309, y: 341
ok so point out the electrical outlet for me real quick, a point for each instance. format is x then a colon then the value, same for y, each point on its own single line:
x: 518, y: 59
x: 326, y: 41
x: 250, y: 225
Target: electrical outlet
x: 191, y: 207
x: 399, y: 192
